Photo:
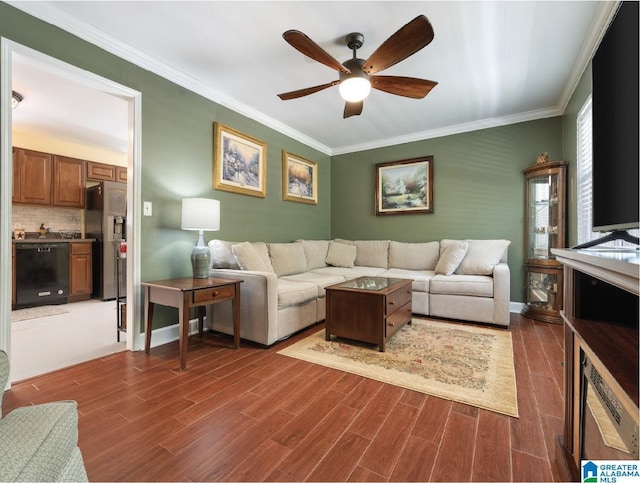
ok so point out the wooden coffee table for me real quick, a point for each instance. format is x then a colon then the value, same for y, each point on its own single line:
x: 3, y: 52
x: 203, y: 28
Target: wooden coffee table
x: 368, y: 309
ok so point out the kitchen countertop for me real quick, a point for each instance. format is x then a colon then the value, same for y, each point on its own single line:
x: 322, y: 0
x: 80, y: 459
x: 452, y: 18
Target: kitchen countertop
x: 54, y: 240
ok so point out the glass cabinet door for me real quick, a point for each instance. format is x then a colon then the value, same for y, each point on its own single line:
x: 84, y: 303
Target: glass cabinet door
x: 545, y: 229
x: 542, y: 289
x: 543, y: 216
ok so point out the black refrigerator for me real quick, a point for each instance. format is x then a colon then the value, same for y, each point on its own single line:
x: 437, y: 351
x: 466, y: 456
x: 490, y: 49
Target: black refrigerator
x: 105, y: 220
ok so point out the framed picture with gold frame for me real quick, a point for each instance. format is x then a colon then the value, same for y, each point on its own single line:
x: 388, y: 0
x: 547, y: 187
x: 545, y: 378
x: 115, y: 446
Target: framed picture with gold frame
x: 404, y: 187
x: 299, y: 179
x: 239, y: 162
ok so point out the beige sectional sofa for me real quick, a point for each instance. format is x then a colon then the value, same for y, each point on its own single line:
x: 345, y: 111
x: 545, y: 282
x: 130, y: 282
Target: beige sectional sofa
x: 283, y: 283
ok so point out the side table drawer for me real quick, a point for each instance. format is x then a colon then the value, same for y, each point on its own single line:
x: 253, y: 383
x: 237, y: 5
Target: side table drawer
x: 397, y: 299
x: 397, y: 320
x: 213, y: 294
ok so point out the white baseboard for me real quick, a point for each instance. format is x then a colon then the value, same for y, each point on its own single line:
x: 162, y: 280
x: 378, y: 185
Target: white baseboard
x: 168, y: 334
x: 516, y: 307
x: 164, y: 335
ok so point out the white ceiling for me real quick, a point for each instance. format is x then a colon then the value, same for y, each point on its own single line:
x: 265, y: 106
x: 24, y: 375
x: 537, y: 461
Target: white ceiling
x: 495, y: 63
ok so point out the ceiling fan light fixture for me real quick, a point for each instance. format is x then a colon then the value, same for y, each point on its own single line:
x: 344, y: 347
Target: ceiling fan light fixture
x: 15, y: 99
x: 354, y: 89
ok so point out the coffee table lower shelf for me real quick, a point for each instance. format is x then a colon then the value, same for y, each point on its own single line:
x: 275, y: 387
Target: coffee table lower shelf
x: 368, y: 309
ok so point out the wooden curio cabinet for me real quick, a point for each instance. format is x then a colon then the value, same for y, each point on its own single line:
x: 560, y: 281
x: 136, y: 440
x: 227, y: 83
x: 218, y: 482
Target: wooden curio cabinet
x: 545, y: 226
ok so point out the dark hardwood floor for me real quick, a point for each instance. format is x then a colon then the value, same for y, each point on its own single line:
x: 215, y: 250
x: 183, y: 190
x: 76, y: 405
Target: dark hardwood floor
x: 254, y: 415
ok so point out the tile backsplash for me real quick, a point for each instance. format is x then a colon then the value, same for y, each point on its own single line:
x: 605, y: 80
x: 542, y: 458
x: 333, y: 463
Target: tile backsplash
x: 29, y: 217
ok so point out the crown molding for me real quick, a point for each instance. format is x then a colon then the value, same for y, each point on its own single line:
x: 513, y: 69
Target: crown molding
x: 602, y: 19
x: 450, y: 130
x: 86, y: 32
x: 112, y: 45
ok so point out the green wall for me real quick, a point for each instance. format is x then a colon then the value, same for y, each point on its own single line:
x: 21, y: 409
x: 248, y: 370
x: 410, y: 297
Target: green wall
x: 478, y: 180
x: 478, y: 188
x: 177, y: 157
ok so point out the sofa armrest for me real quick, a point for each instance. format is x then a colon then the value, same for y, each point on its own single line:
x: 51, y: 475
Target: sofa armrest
x: 501, y: 293
x: 258, y: 305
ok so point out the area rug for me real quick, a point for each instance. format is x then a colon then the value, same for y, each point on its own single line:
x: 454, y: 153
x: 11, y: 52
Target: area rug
x: 36, y: 312
x: 463, y: 363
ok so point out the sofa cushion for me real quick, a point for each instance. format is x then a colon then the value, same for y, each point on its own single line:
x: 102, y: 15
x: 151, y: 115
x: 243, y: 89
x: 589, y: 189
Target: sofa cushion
x: 414, y: 256
x: 349, y: 273
x: 39, y: 441
x: 451, y: 256
x: 249, y: 258
x: 321, y: 280
x: 221, y: 254
x: 473, y: 285
x: 315, y: 252
x: 369, y: 253
x: 287, y: 258
x: 420, y: 278
x: 292, y: 293
x: 372, y: 253
x: 341, y: 254
x: 482, y: 256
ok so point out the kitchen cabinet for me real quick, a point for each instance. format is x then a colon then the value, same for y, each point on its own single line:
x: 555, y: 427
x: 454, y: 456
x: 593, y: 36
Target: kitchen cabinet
x: 100, y: 171
x: 68, y: 182
x: 47, y: 179
x: 121, y: 174
x: 33, y: 173
x: 80, y: 271
x: 106, y: 172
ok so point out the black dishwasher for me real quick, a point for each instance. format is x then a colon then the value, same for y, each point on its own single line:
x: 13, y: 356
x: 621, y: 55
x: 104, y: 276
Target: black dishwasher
x: 42, y: 274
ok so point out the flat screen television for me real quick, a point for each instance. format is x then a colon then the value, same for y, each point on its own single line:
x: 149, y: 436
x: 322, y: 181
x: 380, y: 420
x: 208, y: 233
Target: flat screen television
x: 615, y: 128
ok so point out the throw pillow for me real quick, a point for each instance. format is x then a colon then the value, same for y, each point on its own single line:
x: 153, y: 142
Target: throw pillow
x: 341, y: 255
x: 287, y: 258
x: 482, y: 256
x: 315, y: 251
x: 372, y: 253
x: 414, y: 256
x: 451, y: 257
x: 221, y: 254
x: 248, y: 258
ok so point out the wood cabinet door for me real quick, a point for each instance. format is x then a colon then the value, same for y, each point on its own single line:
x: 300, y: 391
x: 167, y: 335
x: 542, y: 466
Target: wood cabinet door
x: 80, y: 272
x: 16, y: 176
x: 34, y: 177
x: 121, y: 174
x: 68, y: 182
x: 101, y: 171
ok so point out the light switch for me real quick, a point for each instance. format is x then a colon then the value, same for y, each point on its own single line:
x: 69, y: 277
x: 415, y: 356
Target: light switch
x: 147, y: 208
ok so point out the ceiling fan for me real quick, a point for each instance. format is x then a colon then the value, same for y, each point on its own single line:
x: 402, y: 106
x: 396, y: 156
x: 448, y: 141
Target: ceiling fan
x: 357, y: 75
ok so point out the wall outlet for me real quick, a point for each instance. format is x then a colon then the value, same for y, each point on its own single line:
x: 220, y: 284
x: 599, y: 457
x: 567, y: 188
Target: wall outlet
x: 147, y: 208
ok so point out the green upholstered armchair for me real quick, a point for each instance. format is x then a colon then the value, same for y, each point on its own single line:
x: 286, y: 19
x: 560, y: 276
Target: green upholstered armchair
x: 40, y: 442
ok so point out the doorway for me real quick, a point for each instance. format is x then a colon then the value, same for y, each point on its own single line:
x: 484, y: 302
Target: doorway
x: 12, y: 53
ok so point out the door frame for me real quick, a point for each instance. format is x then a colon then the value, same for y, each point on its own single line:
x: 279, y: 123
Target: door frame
x: 134, y: 167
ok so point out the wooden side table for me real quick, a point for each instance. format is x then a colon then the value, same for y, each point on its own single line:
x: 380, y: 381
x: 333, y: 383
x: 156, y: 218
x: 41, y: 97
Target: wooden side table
x: 185, y: 293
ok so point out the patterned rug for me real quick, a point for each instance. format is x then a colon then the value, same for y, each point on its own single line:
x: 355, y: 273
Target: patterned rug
x: 36, y: 312
x: 464, y: 363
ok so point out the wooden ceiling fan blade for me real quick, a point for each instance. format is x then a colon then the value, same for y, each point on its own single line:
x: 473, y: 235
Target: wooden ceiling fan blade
x: 308, y: 47
x: 352, y: 109
x: 306, y: 91
x: 403, y: 86
x: 407, y: 41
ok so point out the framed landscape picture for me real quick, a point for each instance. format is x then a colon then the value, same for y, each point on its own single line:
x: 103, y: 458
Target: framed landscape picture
x: 239, y: 162
x: 404, y: 187
x: 299, y: 179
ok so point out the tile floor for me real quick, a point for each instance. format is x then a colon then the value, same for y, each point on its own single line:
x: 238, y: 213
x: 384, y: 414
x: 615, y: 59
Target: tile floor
x: 87, y: 331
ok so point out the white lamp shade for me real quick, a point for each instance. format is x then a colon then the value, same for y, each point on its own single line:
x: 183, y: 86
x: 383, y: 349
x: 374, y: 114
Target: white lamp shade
x: 200, y: 214
x: 354, y: 89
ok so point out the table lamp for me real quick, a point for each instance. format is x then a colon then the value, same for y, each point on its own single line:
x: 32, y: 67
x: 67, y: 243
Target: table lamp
x: 200, y: 214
